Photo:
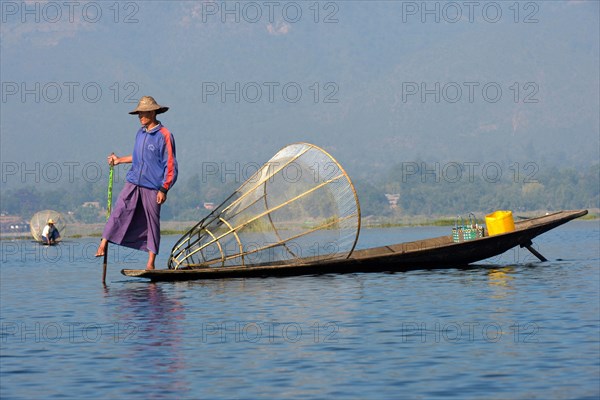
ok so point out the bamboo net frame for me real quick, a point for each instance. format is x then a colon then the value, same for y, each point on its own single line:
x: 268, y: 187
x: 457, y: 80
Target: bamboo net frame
x: 300, y: 206
x: 40, y: 219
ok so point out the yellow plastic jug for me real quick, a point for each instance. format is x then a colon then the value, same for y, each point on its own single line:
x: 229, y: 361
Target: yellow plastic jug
x: 500, y: 221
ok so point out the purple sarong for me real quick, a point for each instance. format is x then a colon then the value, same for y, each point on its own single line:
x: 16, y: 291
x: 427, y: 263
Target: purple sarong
x: 135, y: 220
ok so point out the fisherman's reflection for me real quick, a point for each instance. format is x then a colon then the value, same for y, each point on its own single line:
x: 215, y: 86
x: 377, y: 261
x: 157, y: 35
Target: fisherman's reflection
x: 156, y: 346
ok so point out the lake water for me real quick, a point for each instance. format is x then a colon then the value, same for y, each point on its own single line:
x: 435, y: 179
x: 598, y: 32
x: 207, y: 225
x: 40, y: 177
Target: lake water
x: 513, y: 328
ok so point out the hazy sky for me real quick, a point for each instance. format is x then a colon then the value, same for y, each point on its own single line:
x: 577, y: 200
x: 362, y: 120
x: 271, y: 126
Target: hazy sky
x: 373, y: 82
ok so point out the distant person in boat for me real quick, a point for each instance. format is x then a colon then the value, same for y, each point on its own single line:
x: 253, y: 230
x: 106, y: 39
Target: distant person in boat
x: 135, y: 220
x: 50, y: 233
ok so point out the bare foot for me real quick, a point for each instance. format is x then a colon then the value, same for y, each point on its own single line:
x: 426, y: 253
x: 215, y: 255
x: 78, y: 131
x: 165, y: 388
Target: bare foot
x: 101, y: 249
x: 150, y: 263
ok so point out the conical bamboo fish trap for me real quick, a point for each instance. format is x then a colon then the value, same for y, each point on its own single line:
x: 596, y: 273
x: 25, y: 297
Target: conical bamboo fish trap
x: 300, y: 206
x: 40, y: 219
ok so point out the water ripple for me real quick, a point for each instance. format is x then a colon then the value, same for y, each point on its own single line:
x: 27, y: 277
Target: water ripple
x: 504, y: 330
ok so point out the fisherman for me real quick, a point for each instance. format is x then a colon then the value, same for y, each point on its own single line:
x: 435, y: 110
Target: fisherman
x: 50, y: 233
x: 135, y: 219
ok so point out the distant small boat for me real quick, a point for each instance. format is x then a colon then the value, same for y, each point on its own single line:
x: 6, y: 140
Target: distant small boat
x: 435, y: 253
x: 42, y: 243
x: 39, y: 221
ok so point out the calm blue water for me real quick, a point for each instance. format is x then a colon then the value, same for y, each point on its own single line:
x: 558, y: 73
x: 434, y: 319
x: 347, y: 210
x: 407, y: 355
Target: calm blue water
x: 514, y: 328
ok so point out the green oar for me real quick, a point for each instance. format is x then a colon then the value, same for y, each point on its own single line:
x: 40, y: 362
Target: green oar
x: 108, y: 208
x: 109, y: 194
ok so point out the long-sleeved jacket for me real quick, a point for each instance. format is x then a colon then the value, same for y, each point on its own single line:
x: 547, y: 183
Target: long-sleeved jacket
x: 154, y: 164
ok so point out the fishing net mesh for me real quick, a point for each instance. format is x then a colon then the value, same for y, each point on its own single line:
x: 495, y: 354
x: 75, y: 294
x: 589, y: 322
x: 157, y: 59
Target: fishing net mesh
x: 300, y: 206
x: 40, y: 219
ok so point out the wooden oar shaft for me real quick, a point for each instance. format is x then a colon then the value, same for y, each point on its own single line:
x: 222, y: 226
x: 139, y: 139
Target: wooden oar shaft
x: 105, y: 264
x: 529, y: 246
x: 536, y: 253
x: 108, y: 209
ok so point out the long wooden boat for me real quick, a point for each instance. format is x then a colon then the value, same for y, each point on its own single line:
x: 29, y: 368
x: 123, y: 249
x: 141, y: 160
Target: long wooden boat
x: 435, y: 253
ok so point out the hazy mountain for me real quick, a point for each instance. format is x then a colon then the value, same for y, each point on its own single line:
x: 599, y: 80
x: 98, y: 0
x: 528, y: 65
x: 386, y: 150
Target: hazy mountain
x: 380, y: 82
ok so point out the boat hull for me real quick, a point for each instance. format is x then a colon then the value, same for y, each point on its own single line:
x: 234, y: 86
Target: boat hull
x: 440, y: 252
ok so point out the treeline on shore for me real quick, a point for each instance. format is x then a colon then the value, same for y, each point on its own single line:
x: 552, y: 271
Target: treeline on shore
x: 417, y: 188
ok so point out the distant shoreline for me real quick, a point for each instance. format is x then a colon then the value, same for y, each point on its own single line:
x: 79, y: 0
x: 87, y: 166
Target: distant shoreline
x: 81, y: 230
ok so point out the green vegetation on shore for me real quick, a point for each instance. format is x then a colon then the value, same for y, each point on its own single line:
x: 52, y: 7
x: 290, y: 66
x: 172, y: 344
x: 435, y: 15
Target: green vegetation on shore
x: 427, y: 195
x: 91, y: 230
